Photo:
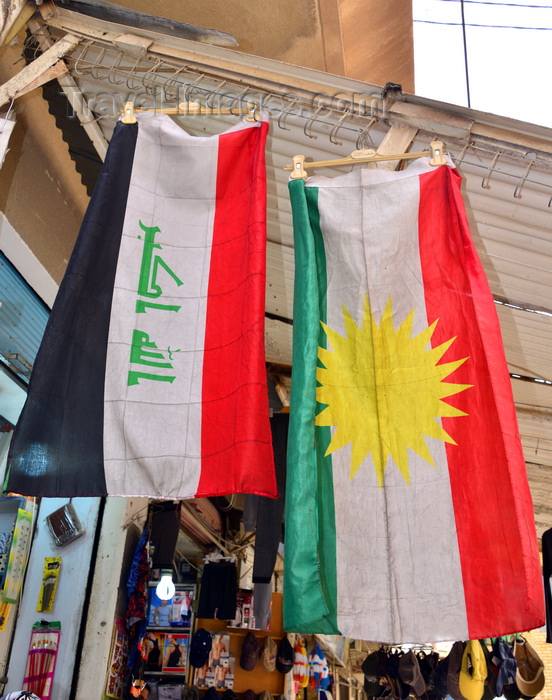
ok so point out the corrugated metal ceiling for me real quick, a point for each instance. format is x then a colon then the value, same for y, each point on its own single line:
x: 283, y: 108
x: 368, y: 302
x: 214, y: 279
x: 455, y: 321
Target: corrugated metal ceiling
x: 506, y: 166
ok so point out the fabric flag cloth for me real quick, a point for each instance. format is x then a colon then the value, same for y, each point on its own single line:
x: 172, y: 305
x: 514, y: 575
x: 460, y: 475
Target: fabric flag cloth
x: 408, y: 512
x: 319, y: 673
x: 300, y: 664
x: 151, y: 379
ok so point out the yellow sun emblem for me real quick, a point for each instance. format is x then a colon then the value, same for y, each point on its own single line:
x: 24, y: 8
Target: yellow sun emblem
x: 383, y: 390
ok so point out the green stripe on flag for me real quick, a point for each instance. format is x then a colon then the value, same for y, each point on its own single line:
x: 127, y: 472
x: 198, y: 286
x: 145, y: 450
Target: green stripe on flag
x: 310, y: 580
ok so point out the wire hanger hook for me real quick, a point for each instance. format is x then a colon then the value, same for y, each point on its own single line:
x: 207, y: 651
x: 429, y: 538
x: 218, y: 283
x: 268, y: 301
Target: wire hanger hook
x: 364, y: 138
x: 519, y: 186
x: 131, y: 76
x: 485, y: 182
x: 189, y: 87
x: 169, y: 89
x: 307, y: 129
x: 209, y: 99
x: 337, y: 127
x: 114, y: 68
x: 283, y: 114
x: 84, y: 51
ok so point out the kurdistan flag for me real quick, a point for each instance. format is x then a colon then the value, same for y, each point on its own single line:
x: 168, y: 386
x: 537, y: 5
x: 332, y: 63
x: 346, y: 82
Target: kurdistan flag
x: 151, y: 379
x: 408, y: 512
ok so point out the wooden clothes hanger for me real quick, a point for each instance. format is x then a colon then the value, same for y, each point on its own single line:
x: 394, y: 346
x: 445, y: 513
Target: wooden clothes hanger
x: 251, y: 112
x: 299, y: 166
x: 214, y: 557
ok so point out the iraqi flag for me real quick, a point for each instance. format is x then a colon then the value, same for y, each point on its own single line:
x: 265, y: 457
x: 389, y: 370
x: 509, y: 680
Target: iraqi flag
x: 151, y: 379
x: 408, y: 512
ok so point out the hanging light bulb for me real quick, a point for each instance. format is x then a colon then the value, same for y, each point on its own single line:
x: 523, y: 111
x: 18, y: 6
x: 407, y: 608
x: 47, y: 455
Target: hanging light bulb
x: 165, y: 588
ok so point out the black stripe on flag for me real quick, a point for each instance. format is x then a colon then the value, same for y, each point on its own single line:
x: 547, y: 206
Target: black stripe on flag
x: 57, y: 448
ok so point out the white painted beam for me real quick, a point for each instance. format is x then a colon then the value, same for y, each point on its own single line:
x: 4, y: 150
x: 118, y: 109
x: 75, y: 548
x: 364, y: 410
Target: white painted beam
x: 75, y: 97
x: 37, y: 71
x: 397, y: 140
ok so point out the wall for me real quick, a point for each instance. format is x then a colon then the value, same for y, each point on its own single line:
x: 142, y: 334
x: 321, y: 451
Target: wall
x: 40, y: 191
x: 121, y: 526
x: 70, y: 594
x: 26, y: 263
x: 378, y: 41
x: 364, y: 39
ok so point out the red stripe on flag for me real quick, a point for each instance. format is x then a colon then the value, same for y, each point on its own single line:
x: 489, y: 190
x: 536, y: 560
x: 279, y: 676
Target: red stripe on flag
x: 235, y: 430
x: 491, y: 498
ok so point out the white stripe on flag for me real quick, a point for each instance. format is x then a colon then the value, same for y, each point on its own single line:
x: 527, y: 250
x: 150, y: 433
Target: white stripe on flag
x: 172, y: 188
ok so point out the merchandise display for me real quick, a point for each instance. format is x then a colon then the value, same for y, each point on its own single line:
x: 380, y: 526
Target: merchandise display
x: 467, y: 672
x: 52, y: 568
x: 41, y: 661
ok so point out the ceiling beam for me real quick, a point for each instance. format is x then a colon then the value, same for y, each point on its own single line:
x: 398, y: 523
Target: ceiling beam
x: 37, y: 72
x: 74, y: 95
x: 16, y: 14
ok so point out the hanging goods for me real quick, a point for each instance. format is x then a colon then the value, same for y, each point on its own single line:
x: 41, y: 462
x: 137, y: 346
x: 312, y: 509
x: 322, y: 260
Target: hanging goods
x: 50, y: 576
x: 319, y: 672
x: 403, y: 442
x: 300, y: 664
x: 41, y: 661
x: 64, y: 525
x: 285, y: 656
x: 9, y: 515
x: 19, y: 552
x: 4, y: 614
x: 530, y: 668
x: 151, y: 378
x: 268, y: 654
x: 116, y: 675
x: 473, y: 671
x: 250, y: 652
